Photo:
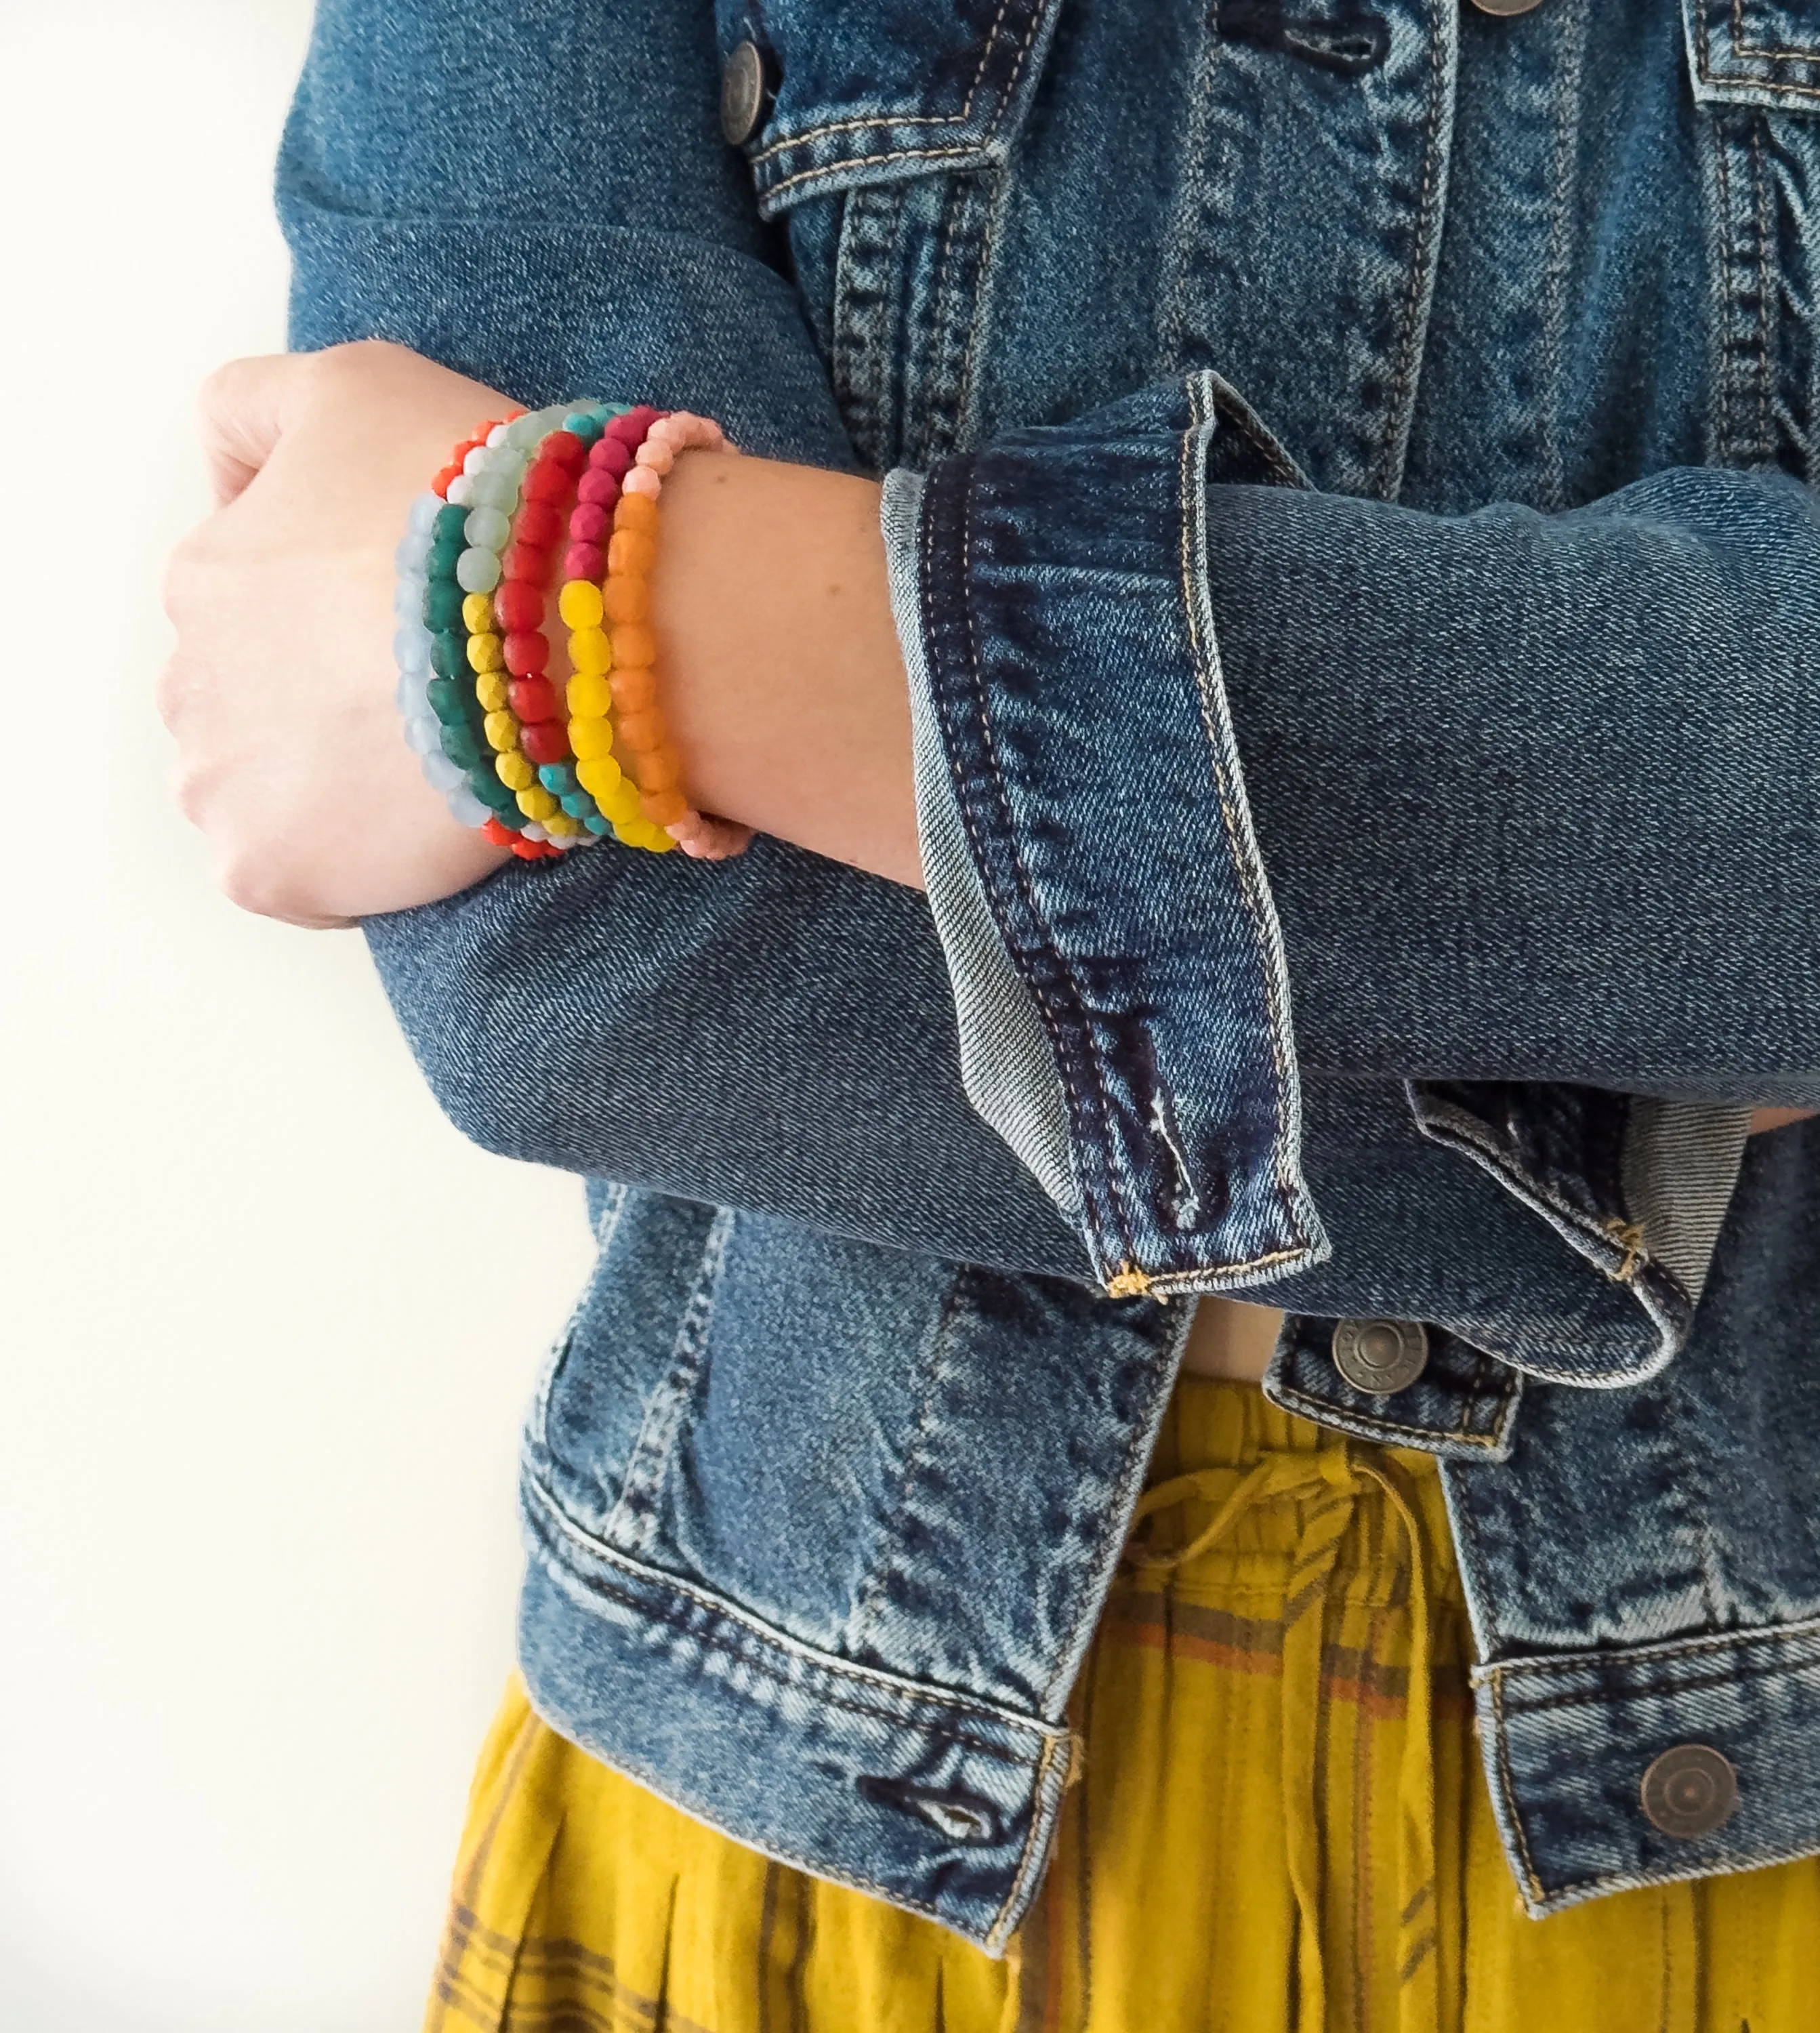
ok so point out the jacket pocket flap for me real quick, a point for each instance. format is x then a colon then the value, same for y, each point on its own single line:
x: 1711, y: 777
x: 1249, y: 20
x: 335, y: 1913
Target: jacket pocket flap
x: 1755, y: 53
x: 872, y: 93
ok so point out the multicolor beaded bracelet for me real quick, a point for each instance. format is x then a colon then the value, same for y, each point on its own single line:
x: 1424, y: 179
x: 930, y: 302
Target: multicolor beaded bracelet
x: 475, y: 568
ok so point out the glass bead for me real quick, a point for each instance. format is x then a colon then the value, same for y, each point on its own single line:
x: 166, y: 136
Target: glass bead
x: 536, y: 803
x: 492, y: 690
x: 557, y: 777
x: 514, y: 772
x: 494, y: 490
x: 578, y: 804
x: 588, y: 523
x: 621, y: 803
x: 442, y: 772
x: 631, y: 551
x: 451, y: 526
x: 590, y: 737
x: 466, y: 807
x: 559, y: 825
x: 443, y: 698
x: 529, y: 563
x: 517, y: 606
x: 498, y: 797
x: 589, y: 695
x: 527, y: 653
x: 599, y: 776
x: 460, y: 745
x: 501, y: 729
x: 410, y: 645
x: 540, y: 523
x: 663, y: 808
x: 635, y: 690
x: 523, y: 435
x: 423, y: 734
x: 478, y: 613
x: 636, y: 511
x: 545, y: 741
x: 599, y: 825
x: 421, y: 519
x: 533, y: 831
x: 487, y: 530
x: 564, y: 449
x: 413, y: 549
x: 487, y: 652
x: 412, y: 693
x: 475, y: 461
x: 626, y: 598
x: 497, y: 434
x: 612, y: 455
x: 579, y: 604
x: 635, y: 647
x: 407, y: 597
x: 657, y: 769
x: 590, y: 650
x: 584, y: 561
x: 582, y: 424
x: 641, y: 731
x: 478, y: 571
x: 446, y: 654
x: 442, y: 607
x: 460, y: 491
x: 535, y: 699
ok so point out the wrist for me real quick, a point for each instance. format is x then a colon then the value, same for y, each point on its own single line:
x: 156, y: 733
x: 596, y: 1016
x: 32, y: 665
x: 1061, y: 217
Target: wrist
x: 782, y: 680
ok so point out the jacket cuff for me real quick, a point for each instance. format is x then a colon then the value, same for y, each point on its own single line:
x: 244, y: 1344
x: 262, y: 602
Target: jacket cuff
x: 1118, y: 974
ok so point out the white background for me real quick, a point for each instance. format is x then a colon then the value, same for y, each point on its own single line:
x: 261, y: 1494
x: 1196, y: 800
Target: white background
x: 266, y: 1323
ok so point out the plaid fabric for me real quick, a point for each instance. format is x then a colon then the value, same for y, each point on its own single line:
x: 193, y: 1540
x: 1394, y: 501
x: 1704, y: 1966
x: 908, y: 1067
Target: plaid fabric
x: 1282, y: 1827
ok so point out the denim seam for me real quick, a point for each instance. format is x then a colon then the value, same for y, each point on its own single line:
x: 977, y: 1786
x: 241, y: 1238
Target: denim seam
x: 1732, y: 1674
x: 1507, y: 1786
x: 1038, y: 996
x: 1564, y: 180
x: 1807, y: 1632
x: 1209, y: 686
x: 938, y: 334
x: 762, y: 1635
x: 1138, y: 1453
x: 1744, y: 49
x: 1035, y: 1842
x: 1315, y: 1408
x: 922, y: 119
x: 663, y: 1784
x: 1760, y: 192
x: 1386, y: 477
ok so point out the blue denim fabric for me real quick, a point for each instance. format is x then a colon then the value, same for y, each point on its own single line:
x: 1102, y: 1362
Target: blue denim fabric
x: 1351, y: 529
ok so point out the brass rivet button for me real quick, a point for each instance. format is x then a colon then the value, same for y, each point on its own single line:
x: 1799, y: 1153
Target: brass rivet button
x: 1380, y: 1357
x: 742, y: 94
x: 1506, y: 6
x: 1689, y: 1792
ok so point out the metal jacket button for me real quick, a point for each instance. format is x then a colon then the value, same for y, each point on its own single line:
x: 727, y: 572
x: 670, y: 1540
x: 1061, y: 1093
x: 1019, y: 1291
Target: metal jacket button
x: 1506, y: 6
x: 1689, y: 1790
x: 1380, y: 1357
x: 742, y: 94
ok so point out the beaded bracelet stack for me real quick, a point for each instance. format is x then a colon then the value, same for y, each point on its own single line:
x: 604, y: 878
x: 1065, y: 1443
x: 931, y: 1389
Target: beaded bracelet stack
x: 538, y: 771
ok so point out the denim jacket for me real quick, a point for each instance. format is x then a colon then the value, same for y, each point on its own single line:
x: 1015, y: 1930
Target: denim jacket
x: 1349, y: 522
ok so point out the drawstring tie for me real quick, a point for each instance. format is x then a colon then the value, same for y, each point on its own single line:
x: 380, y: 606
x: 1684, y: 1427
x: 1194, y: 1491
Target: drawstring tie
x: 1334, y: 1479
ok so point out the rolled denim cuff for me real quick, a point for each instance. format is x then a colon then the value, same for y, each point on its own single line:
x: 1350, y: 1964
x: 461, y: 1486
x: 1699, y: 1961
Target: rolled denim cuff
x: 1119, y: 982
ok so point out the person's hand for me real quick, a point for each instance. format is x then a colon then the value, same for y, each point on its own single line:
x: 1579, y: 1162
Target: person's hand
x: 280, y: 692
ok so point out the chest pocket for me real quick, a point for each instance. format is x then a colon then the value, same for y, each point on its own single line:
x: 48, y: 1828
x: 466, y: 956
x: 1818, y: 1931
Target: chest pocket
x: 877, y: 133
x: 1755, y: 71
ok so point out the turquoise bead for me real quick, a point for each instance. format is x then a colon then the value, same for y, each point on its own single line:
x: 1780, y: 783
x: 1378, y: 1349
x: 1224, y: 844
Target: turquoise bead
x: 451, y: 523
x: 595, y: 824
x: 557, y: 777
x: 462, y: 745
x: 442, y: 606
x: 579, y: 805
x: 486, y: 786
x: 448, y: 656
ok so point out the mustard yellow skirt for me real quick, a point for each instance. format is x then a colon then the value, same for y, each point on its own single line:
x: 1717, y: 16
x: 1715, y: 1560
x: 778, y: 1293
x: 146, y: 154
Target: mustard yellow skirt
x: 1282, y: 1826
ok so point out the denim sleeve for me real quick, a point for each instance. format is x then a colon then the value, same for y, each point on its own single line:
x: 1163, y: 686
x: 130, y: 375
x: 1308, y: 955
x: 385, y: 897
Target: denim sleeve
x: 1538, y: 797
x: 543, y: 200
